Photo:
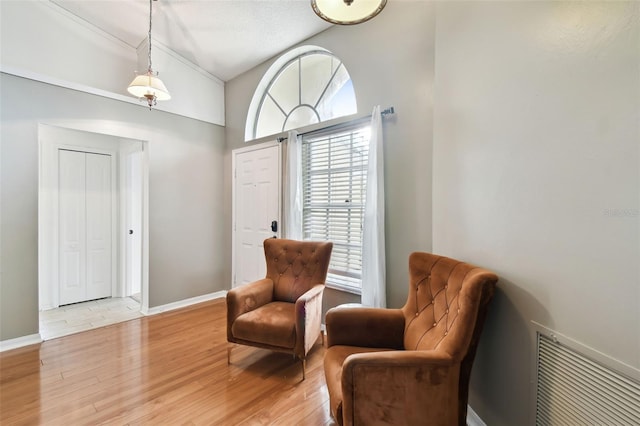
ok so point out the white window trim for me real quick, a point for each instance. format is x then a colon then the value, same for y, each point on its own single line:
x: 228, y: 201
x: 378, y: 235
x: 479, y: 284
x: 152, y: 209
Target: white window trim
x: 350, y: 125
x: 344, y: 288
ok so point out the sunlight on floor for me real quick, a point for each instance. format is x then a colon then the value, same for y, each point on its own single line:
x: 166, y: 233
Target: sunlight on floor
x: 84, y: 316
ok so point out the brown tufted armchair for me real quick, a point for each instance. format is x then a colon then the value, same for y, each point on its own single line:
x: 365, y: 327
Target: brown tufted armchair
x: 283, y: 311
x: 409, y: 366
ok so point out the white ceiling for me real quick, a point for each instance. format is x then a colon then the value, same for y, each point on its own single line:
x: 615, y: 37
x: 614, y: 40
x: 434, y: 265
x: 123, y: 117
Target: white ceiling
x: 224, y: 37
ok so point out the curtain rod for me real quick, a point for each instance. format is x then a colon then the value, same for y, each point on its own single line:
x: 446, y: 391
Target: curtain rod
x: 386, y: 111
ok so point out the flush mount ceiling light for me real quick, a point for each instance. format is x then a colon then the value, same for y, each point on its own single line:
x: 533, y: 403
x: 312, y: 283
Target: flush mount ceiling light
x: 148, y: 85
x: 347, y: 12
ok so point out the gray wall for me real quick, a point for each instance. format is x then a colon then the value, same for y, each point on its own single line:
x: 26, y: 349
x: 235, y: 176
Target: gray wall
x: 390, y: 60
x: 185, y: 189
x: 536, y: 176
x: 518, y: 121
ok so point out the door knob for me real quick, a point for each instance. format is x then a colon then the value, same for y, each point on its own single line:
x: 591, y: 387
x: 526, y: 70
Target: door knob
x: 130, y: 231
x: 274, y: 226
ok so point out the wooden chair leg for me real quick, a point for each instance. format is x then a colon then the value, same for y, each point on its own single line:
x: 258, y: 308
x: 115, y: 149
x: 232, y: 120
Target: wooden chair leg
x: 322, y: 337
x: 304, y: 368
x: 229, y: 347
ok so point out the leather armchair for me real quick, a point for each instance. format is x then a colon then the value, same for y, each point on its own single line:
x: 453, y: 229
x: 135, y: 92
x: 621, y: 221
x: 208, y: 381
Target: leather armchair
x: 409, y: 366
x: 283, y: 311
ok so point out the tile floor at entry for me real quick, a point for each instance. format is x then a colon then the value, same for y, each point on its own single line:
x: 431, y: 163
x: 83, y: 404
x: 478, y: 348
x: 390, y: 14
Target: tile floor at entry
x: 84, y: 316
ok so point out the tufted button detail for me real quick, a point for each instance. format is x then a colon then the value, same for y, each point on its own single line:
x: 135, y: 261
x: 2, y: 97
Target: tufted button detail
x: 435, y: 324
x: 446, y: 332
x: 446, y: 311
x: 417, y: 313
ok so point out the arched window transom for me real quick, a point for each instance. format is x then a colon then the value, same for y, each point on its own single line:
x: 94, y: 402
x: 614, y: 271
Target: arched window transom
x: 311, y: 87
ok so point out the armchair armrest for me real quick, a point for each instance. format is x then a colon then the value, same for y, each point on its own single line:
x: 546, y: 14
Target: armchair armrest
x: 312, y: 293
x: 402, y: 387
x: 308, y: 318
x: 365, y: 327
x: 244, y: 299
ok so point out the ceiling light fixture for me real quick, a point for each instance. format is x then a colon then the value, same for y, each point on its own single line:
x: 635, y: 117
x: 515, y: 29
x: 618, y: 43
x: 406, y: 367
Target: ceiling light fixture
x: 148, y: 85
x: 347, y: 12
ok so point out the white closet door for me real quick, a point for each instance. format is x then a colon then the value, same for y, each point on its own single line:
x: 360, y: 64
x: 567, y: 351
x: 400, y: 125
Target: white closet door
x: 98, y: 206
x: 72, y: 229
x: 85, y: 226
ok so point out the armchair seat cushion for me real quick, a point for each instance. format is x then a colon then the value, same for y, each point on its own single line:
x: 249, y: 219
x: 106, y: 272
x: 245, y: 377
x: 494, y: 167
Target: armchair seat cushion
x: 333, y: 361
x: 272, y: 324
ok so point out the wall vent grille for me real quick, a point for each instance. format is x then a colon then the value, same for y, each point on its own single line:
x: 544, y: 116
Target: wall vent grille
x: 573, y: 389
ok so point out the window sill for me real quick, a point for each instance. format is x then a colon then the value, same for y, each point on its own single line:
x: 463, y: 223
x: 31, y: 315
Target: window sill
x: 345, y: 288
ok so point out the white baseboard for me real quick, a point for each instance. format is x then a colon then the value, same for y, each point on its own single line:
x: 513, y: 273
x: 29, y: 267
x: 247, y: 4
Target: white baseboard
x: 184, y: 303
x: 473, y: 419
x: 19, y: 342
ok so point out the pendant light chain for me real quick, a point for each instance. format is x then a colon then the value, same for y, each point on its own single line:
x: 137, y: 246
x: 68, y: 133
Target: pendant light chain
x: 150, y: 20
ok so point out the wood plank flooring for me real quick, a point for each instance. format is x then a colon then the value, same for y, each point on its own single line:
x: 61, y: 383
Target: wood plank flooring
x: 170, y: 369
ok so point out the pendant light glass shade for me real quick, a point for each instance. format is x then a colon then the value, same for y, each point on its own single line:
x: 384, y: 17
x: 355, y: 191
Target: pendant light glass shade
x: 146, y: 85
x: 347, y: 12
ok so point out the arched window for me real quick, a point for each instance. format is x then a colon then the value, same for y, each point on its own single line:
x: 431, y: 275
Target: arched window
x: 304, y: 86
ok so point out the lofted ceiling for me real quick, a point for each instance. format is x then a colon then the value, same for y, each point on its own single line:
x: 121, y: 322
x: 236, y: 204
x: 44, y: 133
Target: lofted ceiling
x: 223, y: 37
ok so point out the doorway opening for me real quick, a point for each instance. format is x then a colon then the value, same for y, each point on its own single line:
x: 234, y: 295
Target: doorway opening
x: 92, y: 230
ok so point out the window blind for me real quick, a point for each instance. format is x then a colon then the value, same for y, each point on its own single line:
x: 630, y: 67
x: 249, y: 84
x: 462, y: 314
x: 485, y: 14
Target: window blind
x: 334, y: 178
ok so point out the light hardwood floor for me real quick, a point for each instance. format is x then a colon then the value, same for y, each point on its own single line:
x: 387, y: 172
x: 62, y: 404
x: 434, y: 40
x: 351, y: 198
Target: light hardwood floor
x: 170, y: 369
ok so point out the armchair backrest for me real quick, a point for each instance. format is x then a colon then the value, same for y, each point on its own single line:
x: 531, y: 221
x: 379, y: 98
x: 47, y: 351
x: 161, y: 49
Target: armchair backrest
x: 446, y: 304
x: 296, y: 266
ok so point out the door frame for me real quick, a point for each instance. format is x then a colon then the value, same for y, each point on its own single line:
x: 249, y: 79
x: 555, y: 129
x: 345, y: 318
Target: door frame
x: 125, y: 258
x: 50, y: 139
x: 234, y: 154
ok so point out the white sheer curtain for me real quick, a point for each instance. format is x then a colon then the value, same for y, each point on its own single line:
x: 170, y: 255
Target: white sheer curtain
x: 373, y: 255
x: 293, y: 188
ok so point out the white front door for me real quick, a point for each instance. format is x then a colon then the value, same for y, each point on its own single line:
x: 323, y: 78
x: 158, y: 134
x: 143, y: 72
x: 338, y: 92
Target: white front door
x: 85, y: 196
x: 256, y: 207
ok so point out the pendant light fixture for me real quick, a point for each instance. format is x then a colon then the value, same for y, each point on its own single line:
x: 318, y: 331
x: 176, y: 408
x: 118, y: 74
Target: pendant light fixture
x: 347, y: 12
x: 148, y: 85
